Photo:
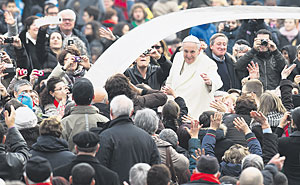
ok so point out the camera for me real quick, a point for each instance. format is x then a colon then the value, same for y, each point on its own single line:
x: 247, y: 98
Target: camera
x: 9, y: 40
x: 9, y: 69
x: 77, y: 59
x: 147, y: 52
x: 70, y: 42
x: 241, y: 48
x: 226, y: 27
x: 264, y: 42
x: 23, y: 72
x: 38, y: 72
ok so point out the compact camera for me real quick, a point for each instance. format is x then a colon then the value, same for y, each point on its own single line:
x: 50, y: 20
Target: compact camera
x: 227, y: 27
x: 264, y: 42
x: 9, y: 40
x: 147, y: 52
x: 70, y: 42
x: 39, y: 72
x: 23, y: 72
x: 77, y: 59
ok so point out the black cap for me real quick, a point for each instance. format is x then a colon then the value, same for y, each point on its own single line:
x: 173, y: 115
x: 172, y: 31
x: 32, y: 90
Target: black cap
x: 208, y: 164
x: 86, y: 139
x: 38, y: 169
x: 83, y: 91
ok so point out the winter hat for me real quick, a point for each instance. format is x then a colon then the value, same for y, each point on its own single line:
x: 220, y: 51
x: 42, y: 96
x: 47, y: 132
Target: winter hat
x: 25, y: 118
x: 86, y: 139
x: 25, y: 99
x: 38, y: 169
x: 83, y: 91
x: 207, y: 164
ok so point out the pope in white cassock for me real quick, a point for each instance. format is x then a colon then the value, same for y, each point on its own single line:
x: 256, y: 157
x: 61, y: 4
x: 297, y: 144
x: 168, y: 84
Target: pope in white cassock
x: 194, y: 77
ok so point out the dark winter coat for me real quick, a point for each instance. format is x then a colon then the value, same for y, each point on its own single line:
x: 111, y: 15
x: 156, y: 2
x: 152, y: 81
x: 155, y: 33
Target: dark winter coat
x: 13, y: 162
x: 155, y: 75
x: 123, y: 145
x: 232, y: 75
x: 102, y: 174
x: 270, y: 66
x: 54, y: 149
x: 231, y: 35
x: 290, y: 148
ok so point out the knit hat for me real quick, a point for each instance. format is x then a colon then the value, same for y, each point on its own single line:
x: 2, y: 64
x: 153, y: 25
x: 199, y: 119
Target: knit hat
x: 86, y: 139
x: 25, y: 118
x: 207, y: 164
x: 38, y: 169
x: 25, y: 99
x: 83, y: 91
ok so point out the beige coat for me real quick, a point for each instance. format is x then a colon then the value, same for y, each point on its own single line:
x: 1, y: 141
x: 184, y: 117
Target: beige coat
x: 190, y: 85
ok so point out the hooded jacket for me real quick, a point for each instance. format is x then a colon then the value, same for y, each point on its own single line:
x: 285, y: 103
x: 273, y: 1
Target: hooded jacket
x: 54, y: 149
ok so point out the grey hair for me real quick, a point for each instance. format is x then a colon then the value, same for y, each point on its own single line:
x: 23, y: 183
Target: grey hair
x: 21, y: 83
x: 68, y: 11
x: 169, y: 135
x: 138, y: 174
x: 80, y: 45
x: 147, y: 120
x: 252, y: 160
x: 121, y: 105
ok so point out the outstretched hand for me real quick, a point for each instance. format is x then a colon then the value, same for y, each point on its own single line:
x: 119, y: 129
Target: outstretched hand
x: 241, y: 125
x: 198, y: 153
x: 106, y: 33
x: 253, y: 70
x: 287, y: 71
x: 215, y: 121
x: 194, y: 130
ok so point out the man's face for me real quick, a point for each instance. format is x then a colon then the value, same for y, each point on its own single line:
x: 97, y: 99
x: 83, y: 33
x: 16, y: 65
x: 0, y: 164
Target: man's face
x: 190, y: 52
x: 68, y: 22
x: 11, y: 7
x: 138, y: 14
x: 108, y: 3
x: 143, y: 61
x: 25, y: 89
x: 263, y: 48
x: 52, y: 11
x: 219, y: 47
x: 86, y: 17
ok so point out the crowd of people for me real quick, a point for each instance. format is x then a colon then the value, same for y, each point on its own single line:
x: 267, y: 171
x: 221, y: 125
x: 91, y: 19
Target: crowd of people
x: 213, y: 104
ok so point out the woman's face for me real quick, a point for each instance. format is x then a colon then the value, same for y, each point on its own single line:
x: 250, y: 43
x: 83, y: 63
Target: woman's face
x: 60, y: 91
x: 289, y: 24
x: 33, y: 30
x: 55, y: 41
x: 285, y: 54
x: 158, y: 47
x: 70, y: 58
x: 88, y: 30
x: 125, y: 29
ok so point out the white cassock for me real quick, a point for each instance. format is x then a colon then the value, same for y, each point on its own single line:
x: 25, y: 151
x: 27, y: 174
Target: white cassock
x: 190, y: 85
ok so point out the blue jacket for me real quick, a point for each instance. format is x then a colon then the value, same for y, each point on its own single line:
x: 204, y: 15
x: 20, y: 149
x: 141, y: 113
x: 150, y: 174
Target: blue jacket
x: 204, y: 31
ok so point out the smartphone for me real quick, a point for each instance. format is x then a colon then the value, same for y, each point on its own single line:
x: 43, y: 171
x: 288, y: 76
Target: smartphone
x: 48, y: 20
x: 70, y: 42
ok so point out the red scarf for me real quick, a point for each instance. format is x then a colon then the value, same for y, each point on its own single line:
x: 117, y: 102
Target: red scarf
x: 205, y: 177
x: 56, y: 103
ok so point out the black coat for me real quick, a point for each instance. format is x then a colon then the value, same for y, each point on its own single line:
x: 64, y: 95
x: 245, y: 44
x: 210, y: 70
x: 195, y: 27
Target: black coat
x: 270, y: 66
x: 283, y: 41
x: 232, y: 133
x: 13, y: 162
x: 234, y: 80
x: 102, y: 174
x: 155, y: 75
x: 123, y: 144
x: 290, y: 148
x: 54, y: 149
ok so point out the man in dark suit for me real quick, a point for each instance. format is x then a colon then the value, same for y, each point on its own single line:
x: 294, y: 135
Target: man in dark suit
x: 217, y: 51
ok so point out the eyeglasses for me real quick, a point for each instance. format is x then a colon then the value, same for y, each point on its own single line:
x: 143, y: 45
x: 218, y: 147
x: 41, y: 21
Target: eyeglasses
x: 65, y: 20
x: 156, y: 47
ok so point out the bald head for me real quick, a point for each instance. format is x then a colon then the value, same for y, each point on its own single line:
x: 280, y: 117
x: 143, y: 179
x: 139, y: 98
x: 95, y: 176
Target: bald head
x: 100, y: 95
x: 251, y: 176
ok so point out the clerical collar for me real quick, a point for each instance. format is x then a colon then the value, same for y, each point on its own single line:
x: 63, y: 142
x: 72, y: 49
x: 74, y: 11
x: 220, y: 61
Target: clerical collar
x: 28, y: 37
x: 218, y: 58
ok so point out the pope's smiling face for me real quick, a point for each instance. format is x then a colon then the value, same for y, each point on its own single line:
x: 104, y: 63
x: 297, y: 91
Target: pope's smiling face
x: 190, y: 52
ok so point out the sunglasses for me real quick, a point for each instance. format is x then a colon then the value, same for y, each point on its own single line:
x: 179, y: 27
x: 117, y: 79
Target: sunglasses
x: 156, y: 47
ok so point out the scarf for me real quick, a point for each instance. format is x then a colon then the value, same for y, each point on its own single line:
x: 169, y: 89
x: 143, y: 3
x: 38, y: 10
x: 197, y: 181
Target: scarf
x: 290, y: 35
x: 205, y: 177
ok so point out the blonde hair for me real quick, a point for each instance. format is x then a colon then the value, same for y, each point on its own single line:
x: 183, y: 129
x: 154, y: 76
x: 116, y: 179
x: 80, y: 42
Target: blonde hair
x: 235, y: 154
x: 269, y: 102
